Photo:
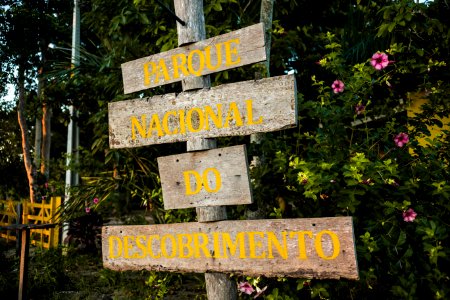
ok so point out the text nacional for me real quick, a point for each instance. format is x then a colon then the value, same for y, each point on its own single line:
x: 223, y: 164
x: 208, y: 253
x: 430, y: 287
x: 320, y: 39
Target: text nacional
x: 195, y: 119
x: 223, y: 245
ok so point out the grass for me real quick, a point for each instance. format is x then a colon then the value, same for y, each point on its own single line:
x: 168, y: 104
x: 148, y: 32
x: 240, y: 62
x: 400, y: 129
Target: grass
x: 53, y: 276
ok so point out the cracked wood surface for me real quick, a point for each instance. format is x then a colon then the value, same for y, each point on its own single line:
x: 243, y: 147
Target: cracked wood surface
x: 201, y: 247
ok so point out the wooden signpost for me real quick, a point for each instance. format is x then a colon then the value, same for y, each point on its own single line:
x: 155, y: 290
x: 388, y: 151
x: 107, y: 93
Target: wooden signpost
x: 208, y: 180
x: 231, y: 109
x: 231, y: 50
x: 205, y: 178
x: 306, y: 248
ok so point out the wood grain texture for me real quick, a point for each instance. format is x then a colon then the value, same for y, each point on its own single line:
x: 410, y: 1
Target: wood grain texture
x: 249, y: 49
x: 191, y: 12
x: 226, y: 170
x: 272, y: 99
x: 201, y: 247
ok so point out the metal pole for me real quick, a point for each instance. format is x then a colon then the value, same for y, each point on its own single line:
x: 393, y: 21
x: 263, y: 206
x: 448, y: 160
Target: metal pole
x: 72, y: 130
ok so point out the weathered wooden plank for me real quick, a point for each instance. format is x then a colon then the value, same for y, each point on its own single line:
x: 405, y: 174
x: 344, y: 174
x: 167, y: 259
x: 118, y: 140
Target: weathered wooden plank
x: 205, y: 178
x: 231, y: 50
x: 228, y: 110
x: 306, y: 248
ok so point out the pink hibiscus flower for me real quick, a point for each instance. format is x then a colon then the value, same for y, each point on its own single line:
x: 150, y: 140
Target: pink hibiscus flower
x: 409, y: 215
x: 401, y: 139
x: 338, y: 86
x: 379, y: 61
x: 95, y: 200
x: 88, y: 209
x: 246, y: 288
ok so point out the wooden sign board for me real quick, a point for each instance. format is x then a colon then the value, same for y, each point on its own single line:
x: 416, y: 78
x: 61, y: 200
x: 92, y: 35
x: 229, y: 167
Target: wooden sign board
x: 205, y: 178
x: 304, y: 248
x: 227, y: 51
x: 227, y: 110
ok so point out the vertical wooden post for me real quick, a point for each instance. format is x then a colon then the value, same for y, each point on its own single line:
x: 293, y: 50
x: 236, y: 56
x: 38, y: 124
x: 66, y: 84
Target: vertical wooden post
x: 23, y: 272
x: 25, y: 213
x: 53, y: 232
x: 19, y: 232
x: 266, y: 16
x: 42, y: 222
x: 218, y: 285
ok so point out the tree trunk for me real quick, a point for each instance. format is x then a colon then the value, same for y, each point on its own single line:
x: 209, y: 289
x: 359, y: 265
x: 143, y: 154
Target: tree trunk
x: 37, y: 141
x: 46, y: 140
x: 29, y: 167
x: 46, y: 108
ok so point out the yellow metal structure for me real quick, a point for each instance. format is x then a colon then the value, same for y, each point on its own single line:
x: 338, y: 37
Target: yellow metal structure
x: 33, y: 213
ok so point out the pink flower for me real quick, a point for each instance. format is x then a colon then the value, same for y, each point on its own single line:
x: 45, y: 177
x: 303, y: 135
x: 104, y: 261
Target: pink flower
x: 88, y: 209
x: 95, y: 200
x: 359, y: 108
x: 46, y: 185
x: 401, y: 139
x: 246, y: 288
x: 338, y: 86
x: 409, y: 215
x: 379, y: 61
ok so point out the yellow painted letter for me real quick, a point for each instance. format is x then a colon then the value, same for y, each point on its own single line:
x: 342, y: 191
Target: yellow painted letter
x: 139, y: 126
x: 147, y: 72
x: 210, y: 115
x: 173, y: 246
x: 272, y: 240
x: 250, y: 120
x: 200, y: 120
x: 165, y: 122
x: 218, y: 57
x: 252, y: 244
x: 231, y: 51
x: 201, y: 62
x: 202, y: 246
x: 187, y: 182
x: 233, y: 114
x: 301, y: 242
x: 179, y: 65
x: 141, y: 247
x: 111, y: 245
x: 150, y: 246
x: 228, y: 244
x: 127, y: 246
x: 155, y: 125
x: 206, y: 181
x: 182, y: 245
x: 334, y: 241
x: 161, y: 68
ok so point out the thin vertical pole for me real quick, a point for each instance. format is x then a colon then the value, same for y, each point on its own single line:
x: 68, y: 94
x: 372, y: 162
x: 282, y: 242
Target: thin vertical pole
x: 19, y: 232
x: 24, y: 256
x: 73, y: 132
x: 218, y: 285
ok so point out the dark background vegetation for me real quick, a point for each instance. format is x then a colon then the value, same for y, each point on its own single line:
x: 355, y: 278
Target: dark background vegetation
x: 350, y: 170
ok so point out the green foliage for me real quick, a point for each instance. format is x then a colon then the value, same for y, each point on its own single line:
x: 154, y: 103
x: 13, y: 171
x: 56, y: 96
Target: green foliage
x: 341, y: 160
x: 344, y: 159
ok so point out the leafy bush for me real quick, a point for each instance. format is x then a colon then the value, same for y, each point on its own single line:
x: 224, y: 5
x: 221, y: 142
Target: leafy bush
x: 355, y: 152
